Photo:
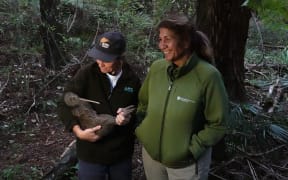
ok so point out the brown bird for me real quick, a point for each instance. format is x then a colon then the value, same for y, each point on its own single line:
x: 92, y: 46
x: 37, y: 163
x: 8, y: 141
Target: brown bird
x: 88, y: 117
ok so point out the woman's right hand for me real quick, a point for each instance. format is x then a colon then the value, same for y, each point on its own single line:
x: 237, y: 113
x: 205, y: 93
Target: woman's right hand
x: 89, y: 134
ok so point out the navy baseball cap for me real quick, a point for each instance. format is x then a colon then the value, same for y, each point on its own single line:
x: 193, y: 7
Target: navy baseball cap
x: 108, y: 47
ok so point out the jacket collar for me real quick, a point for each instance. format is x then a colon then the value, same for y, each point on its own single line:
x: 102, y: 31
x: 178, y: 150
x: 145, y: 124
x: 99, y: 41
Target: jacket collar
x: 175, y: 72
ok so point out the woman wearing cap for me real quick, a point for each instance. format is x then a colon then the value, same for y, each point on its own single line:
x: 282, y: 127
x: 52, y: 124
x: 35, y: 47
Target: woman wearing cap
x: 183, y: 104
x: 110, y: 81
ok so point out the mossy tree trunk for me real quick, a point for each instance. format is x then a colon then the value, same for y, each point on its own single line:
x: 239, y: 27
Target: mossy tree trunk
x: 226, y: 23
x: 51, y: 31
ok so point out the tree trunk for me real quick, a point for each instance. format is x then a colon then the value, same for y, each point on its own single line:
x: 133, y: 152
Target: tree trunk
x: 226, y: 23
x: 51, y: 32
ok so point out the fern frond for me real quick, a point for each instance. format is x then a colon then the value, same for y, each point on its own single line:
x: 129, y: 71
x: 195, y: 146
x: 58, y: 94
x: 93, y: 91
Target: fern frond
x: 278, y: 132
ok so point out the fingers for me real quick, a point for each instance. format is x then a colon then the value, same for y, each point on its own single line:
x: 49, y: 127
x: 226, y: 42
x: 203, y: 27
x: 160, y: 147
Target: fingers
x: 122, y: 119
x: 124, y: 115
x: 126, y: 110
x: 129, y: 109
x: 119, y: 110
x: 90, y: 134
x: 96, y: 128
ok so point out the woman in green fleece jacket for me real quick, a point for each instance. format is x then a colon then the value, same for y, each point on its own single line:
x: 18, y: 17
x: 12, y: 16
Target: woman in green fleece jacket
x: 183, y: 104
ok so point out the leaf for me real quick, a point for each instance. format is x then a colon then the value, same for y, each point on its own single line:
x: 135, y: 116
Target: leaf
x: 245, y: 3
x: 279, y: 133
x: 51, y: 103
x: 252, y: 3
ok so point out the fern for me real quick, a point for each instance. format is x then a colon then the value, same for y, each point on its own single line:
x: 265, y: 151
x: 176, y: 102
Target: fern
x: 279, y: 133
x: 251, y: 131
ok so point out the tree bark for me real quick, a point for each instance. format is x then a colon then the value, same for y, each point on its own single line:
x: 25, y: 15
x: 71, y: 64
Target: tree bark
x: 226, y: 23
x: 51, y: 31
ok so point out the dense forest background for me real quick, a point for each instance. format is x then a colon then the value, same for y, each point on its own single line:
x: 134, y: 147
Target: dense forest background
x: 43, y: 43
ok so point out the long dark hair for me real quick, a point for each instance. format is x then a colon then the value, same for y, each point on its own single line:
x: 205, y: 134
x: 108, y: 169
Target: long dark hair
x: 183, y: 27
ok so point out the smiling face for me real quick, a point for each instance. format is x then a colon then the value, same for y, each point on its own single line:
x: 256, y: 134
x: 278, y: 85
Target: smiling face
x: 173, y: 50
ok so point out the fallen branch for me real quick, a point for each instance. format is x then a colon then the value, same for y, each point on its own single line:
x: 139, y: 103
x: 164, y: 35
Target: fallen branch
x: 261, y: 165
x: 274, y: 46
x: 222, y: 166
x: 260, y: 73
x: 73, y: 21
x: 4, y: 85
x: 260, y: 154
x: 2, y: 103
x: 260, y: 35
x: 280, y: 167
x: 266, y: 152
x: 68, y: 159
x: 252, y: 170
x: 33, y: 104
x: 215, y: 175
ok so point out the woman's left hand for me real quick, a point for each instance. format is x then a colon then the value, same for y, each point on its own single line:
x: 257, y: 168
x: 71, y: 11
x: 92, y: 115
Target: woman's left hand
x: 123, y: 117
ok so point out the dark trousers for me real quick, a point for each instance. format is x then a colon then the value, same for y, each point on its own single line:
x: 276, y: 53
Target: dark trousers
x: 118, y: 171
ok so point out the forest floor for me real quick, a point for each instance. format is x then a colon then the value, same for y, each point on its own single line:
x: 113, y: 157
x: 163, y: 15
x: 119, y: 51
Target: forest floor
x: 32, y: 138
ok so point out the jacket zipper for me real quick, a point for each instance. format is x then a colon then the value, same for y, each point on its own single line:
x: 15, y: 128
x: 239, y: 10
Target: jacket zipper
x: 163, y: 118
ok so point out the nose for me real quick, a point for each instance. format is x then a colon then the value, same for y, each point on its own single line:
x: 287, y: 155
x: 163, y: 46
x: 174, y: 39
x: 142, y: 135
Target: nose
x: 161, y: 45
x: 100, y: 63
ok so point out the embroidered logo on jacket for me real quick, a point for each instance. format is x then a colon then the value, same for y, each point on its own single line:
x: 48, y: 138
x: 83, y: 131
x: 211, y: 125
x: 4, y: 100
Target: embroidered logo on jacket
x: 179, y: 98
x: 128, y: 89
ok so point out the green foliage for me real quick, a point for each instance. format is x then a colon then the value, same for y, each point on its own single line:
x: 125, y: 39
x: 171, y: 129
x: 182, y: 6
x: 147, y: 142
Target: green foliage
x: 83, y: 20
x: 14, y: 126
x: 47, y: 105
x: 127, y: 17
x: 71, y: 173
x: 249, y: 129
x: 137, y: 32
x: 16, y: 172
x: 72, y: 43
x: 274, y: 13
x: 19, y: 23
x: 266, y: 45
x: 284, y: 55
x: 131, y: 17
x: 10, y: 173
x: 254, y: 55
x: 279, y: 132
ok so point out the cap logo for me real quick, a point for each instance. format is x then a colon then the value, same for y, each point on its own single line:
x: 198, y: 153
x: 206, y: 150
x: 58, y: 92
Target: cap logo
x: 104, y: 42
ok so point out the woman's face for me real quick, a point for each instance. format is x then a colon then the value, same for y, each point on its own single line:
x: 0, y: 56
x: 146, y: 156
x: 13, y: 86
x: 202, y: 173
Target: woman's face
x: 172, y: 49
x: 109, y: 67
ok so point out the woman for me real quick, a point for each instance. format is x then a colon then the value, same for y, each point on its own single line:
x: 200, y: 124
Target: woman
x: 111, y: 82
x: 184, y: 105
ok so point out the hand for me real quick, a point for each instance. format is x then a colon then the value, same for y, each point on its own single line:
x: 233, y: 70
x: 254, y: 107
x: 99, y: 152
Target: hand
x: 123, y: 117
x: 87, y: 134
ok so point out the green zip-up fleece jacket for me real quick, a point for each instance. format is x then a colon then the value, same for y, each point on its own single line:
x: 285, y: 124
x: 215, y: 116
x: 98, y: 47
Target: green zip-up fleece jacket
x: 91, y: 84
x: 184, y: 110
